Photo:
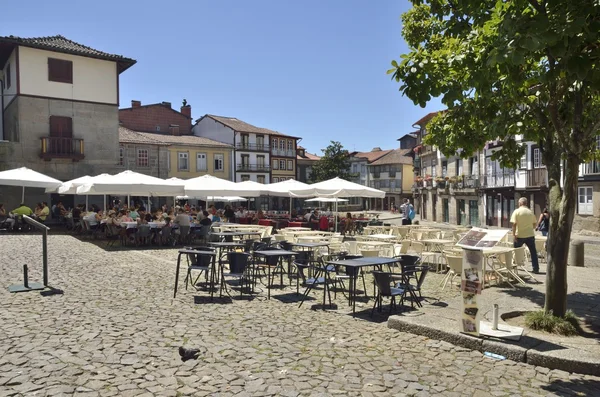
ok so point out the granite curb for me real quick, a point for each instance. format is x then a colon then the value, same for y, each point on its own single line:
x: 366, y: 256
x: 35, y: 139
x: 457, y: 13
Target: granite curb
x: 527, y: 350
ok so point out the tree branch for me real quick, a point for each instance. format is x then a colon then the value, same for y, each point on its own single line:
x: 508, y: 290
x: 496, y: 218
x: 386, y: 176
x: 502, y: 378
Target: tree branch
x: 538, y: 7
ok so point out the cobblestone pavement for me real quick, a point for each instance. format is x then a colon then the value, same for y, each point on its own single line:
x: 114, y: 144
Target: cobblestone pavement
x: 116, y: 331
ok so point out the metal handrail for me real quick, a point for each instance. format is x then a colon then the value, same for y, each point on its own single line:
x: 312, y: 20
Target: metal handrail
x: 44, y: 229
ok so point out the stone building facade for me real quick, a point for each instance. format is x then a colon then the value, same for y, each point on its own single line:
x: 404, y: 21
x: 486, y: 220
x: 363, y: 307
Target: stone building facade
x: 59, y: 110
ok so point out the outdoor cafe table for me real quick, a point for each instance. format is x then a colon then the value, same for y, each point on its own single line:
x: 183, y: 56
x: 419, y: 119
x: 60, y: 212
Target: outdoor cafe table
x: 352, y: 267
x: 279, y: 254
x: 296, y: 229
x: 240, y: 234
x: 311, y: 246
x: 196, y: 252
x: 225, y: 246
x: 381, y: 236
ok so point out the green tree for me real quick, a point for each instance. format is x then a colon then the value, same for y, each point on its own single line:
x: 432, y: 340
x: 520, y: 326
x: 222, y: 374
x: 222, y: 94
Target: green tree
x: 334, y: 162
x: 511, y: 70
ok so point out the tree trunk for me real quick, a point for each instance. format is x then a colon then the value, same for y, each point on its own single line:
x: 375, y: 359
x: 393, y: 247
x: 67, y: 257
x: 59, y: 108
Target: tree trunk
x: 562, y: 211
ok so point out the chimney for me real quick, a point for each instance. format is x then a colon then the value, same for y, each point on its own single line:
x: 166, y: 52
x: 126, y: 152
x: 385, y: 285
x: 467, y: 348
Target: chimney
x: 186, y: 111
x: 376, y: 149
x: 174, y: 129
x: 167, y: 104
x: 136, y: 104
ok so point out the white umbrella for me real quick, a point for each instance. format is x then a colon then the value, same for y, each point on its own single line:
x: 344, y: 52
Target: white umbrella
x: 131, y: 183
x: 215, y: 198
x: 283, y: 188
x: 256, y: 187
x: 328, y: 200
x: 208, y: 185
x: 70, y: 187
x: 337, y: 187
x: 26, y: 177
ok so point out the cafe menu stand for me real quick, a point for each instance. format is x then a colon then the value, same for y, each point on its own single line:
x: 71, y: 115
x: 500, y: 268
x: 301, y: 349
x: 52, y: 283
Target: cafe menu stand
x: 473, y: 244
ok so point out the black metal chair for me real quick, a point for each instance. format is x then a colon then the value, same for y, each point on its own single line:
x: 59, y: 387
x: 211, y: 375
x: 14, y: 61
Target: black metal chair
x: 320, y: 276
x: 238, y: 265
x: 384, y: 283
x: 418, y: 274
x: 199, y: 262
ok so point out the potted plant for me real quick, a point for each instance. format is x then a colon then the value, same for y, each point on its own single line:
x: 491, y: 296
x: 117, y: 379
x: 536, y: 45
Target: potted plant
x: 460, y: 181
x: 441, y: 182
x: 428, y: 180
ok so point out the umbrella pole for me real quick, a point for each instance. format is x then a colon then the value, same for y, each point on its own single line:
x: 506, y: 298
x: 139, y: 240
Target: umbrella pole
x: 104, y: 202
x: 128, y: 203
x: 23, y: 195
x: 86, y: 203
x: 148, y: 209
x: 335, y: 215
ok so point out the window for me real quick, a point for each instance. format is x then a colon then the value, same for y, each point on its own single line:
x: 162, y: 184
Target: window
x: 290, y: 165
x: 355, y: 168
x: 275, y: 179
x: 218, y: 162
x: 275, y: 164
x: 245, y: 178
x: 459, y: 167
x: 392, y: 173
x: 274, y: 143
x: 474, y: 166
x: 282, y: 164
x: 537, y: 158
x: 121, y: 154
x: 142, y: 158
x: 245, y: 160
x: 260, y: 142
x: 523, y: 162
x: 260, y: 179
x: 444, y: 168
x: 363, y: 169
x: 585, y: 200
x: 260, y: 161
x: 282, y: 144
x: 201, y: 164
x: 60, y: 71
x: 245, y: 139
x: 290, y: 145
x: 182, y: 161
x: 8, y: 81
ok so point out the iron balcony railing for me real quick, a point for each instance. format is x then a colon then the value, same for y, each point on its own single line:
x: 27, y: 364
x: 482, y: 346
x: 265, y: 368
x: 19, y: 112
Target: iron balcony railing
x: 64, y: 148
x: 284, y: 152
x: 253, y: 146
x: 253, y: 167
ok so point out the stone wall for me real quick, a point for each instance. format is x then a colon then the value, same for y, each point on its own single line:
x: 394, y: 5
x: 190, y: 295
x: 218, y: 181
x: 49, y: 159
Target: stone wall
x: 158, y: 160
x: 96, y: 124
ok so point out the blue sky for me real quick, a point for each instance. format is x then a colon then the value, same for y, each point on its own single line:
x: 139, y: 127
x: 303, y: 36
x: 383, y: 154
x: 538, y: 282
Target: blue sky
x: 313, y: 68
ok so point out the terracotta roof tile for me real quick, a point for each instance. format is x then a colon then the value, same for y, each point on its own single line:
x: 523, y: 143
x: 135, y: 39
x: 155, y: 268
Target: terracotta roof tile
x: 185, y: 140
x: 425, y: 119
x: 397, y: 156
x: 60, y: 43
x: 129, y: 136
x: 308, y: 156
x: 372, y: 155
x: 241, y: 126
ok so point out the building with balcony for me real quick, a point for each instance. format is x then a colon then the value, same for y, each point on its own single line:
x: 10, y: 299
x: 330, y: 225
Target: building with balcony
x: 447, y: 188
x: 304, y: 163
x: 59, y: 109
x: 358, y: 167
x: 259, y: 154
x: 393, y: 174
x: 188, y: 155
x: 588, y: 195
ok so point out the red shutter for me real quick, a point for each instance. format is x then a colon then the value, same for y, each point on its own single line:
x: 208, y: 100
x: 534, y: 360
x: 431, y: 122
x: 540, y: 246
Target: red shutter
x: 61, y: 127
x: 60, y: 70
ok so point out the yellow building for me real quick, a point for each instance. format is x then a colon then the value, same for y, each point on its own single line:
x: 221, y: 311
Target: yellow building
x: 392, y: 173
x: 190, y: 156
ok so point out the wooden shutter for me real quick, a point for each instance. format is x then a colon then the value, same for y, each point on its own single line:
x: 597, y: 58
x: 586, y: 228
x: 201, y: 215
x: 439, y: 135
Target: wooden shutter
x: 61, y: 127
x: 60, y: 70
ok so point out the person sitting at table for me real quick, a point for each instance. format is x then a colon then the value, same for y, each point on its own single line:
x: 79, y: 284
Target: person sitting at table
x: 217, y: 217
x: 347, y: 224
x: 92, y: 218
x: 313, y: 220
x: 37, y: 210
x: 229, y: 214
x: 5, y: 218
x: 133, y: 213
x: 111, y: 218
x: 44, y: 212
x: 22, y: 210
x: 205, y: 219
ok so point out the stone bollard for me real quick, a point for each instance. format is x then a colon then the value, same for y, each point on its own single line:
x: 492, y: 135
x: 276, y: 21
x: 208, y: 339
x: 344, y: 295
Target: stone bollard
x: 576, y: 252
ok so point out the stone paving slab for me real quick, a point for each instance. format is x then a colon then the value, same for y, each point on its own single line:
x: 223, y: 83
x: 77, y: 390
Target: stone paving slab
x: 116, y: 329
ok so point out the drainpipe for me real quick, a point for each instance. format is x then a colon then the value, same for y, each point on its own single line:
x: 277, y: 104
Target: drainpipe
x: 2, y: 102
